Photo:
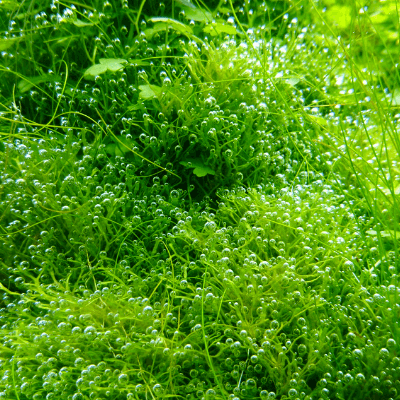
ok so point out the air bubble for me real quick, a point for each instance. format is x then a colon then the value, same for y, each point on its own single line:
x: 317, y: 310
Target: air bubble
x: 274, y: 324
x: 210, y: 102
x: 229, y: 153
x: 148, y: 311
x: 251, y: 384
x: 183, y: 284
x: 210, y: 394
x: 391, y: 343
x: 193, y: 138
x: 174, y: 194
x: 139, y: 388
x: 210, y: 226
x: 158, y: 389
x: 123, y: 379
x: 90, y: 332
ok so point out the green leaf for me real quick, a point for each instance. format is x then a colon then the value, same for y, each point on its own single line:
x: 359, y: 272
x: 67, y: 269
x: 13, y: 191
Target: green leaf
x: 81, y: 24
x: 29, y: 82
x: 292, y: 81
x: 106, y: 64
x: 318, y: 120
x: 7, y: 43
x: 8, y: 5
x: 340, y: 16
x: 119, y: 146
x: 200, y: 169
x: 113, y: 64
x: 149, y: 91
x: 95, y: 70
x: 138, y: 63
x: 67, y: 38
x: 2, y: 147
x: 135, y: 107
x: 388, y: 233
x: 216, y: 29
x: 173, y: 23
x: 396, y: 97
x: 193, y: 12
x: 185, y: 3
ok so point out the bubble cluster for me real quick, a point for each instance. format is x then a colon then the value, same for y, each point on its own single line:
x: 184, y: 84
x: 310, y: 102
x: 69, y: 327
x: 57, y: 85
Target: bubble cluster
x: 187, y: 211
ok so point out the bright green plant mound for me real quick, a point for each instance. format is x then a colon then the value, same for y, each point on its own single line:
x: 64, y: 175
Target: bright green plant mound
x: 276, y: 302
x: 199, y: 200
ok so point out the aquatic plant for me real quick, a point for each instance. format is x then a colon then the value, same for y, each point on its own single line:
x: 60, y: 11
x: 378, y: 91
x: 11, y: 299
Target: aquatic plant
x: 199, y: 200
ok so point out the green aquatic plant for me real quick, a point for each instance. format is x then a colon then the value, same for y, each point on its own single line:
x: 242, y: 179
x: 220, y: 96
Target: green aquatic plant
x: 198, y: 200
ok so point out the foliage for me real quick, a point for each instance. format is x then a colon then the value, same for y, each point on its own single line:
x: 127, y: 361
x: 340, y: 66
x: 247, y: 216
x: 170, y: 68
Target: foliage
x: 199, y: 200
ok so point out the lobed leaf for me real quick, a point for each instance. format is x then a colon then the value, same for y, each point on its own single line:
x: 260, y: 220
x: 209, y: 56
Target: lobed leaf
x: 200, y: 169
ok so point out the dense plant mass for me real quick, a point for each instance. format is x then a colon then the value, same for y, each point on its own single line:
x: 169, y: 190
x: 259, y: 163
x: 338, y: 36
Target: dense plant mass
x: 199, y: 200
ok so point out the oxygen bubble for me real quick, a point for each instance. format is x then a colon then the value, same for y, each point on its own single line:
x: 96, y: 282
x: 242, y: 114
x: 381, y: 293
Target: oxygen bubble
x: 302, y: 349
x: 174, y: 194
x: 183, y: 284
x: 157, y: 389
x: 90, y: 332
x: 360, y: 378
x: 229, y: 153
x: 193, y: 373
x: 123, y: 379
x: 139, y: 388
x: 210, y: 394
x: 357, y: 353
x: 348, y: 378
x: 76, y: 330
x: 292, y: 393
x: 210, y: 102
x: 148, y: 311
x: 258, y: 367
x: 251, y: 384
x: 210, y: 226
x: 167, y: 82
x: 274, y: 324
x: 193, y: 139
x: 301, y: 321
x: 384, y: 353
x: 264, y: 395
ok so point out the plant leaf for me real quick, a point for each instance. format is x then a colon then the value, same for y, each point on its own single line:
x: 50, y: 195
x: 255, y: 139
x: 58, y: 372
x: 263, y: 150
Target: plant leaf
x: 149, y: 91
x: 392, y: 234
x: 106, y: 64
x: 388, y: 233
x: 396, y: 97
x: 138, y: 63
x: 95, y: 70
x: 292, y: 81
x: 339, y: 15
x: 200, y: 169
x: 193, y: 12
x: 216, y: 29
x: 112, y: 61
x: 8, y: 5
x: 29, y: 82
x: 81, y: 24
x: 185, y: 3
x: 6, y: 43
x: 173, y: 23
x: 318, y: 120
